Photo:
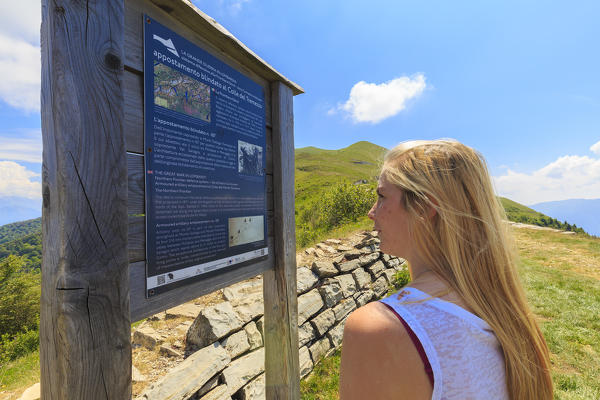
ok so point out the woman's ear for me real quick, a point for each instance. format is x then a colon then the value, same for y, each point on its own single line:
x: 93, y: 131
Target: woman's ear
x: 432, y: 207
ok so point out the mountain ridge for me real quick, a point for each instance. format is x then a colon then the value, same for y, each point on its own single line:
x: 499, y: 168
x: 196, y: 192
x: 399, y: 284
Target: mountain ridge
x: 583, y: 212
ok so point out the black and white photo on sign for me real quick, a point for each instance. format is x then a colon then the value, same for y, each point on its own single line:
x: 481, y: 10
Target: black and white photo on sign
x: 250, y: 159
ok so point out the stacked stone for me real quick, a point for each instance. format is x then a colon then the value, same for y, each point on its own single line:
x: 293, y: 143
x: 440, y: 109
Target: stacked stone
x: 330, y: 290
x: 226, y: 341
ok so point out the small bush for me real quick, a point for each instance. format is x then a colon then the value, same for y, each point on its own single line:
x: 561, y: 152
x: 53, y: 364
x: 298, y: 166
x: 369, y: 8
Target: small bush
x: 342, y: 204
x: 21, y: 344
x: 401, y: 278
x: 305, y: 235
x: 346, y: 203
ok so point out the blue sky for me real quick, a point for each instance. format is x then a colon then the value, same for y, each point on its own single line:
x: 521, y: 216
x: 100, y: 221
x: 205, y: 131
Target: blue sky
x: 518, y: 81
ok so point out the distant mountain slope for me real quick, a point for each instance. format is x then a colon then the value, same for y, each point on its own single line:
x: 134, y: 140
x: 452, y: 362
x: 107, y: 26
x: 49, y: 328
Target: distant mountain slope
x: 16, y: 230
x: 585, y: 213
x: 13, y: 209
x: 517, y: 212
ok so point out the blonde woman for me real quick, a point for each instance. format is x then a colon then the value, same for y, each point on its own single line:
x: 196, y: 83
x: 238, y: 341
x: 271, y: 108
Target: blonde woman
x: 462, y: 328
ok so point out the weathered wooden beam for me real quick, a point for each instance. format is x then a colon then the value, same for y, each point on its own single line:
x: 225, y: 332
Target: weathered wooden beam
x: 279, y: 285
x: 85, y: 350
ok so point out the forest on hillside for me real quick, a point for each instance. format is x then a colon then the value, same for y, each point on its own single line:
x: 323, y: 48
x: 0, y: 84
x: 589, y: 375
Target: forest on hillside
x: 16, y: 230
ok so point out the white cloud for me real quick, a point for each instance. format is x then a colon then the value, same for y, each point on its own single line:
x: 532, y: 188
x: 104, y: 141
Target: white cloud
x: 569, y: 177
x: 26, y: 148
x: 21, y: 19
x: 20, y: 60
x: 371, y: 102
x: 20, y: 72
x: 596, y: 148
x: 15, y: 181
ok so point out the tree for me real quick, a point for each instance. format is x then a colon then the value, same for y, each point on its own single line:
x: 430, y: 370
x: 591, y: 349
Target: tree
x: 19, y: 296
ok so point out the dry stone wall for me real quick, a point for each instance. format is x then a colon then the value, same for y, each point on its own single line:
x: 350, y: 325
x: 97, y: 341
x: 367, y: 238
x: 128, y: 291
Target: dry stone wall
x: 224, y: 343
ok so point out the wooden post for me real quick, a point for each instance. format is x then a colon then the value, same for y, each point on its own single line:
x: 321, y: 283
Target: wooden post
x: 85, y: 350
x: 282, y: 368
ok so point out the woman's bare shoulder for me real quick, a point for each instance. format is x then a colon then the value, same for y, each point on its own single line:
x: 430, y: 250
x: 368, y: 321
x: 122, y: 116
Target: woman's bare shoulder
x: 379, y: 360
x: 372, y: 317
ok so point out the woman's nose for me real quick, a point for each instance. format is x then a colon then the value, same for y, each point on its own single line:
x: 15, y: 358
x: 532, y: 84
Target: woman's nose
x: 371, y: 213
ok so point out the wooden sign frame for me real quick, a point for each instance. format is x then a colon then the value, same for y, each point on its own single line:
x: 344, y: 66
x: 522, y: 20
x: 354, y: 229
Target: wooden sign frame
x: 93, y: 194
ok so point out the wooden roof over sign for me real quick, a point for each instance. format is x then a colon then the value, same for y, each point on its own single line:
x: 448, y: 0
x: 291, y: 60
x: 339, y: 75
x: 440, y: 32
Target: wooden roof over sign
x: 190, y: 15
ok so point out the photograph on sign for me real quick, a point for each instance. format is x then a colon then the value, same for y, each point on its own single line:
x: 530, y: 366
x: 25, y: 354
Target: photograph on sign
x: 205, y: 141
x: 178, y: 92
x: 244, y: 230
x: 250, y: 159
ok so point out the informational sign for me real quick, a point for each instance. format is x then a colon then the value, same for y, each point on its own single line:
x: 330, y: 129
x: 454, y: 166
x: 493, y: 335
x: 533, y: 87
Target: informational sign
x: 204, y: 163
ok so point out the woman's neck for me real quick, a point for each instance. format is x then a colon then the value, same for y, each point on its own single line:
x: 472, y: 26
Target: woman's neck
x: 429, y: 282
x: 418, y: 270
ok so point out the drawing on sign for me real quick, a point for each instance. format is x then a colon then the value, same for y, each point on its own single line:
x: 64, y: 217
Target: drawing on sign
x: 244, y: 230
x: 168, y: 44
x: 250, y: 159
x: 178, y: 92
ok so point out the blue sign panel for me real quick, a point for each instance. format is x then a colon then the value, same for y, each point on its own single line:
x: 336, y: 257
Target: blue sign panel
x: 204, y: 163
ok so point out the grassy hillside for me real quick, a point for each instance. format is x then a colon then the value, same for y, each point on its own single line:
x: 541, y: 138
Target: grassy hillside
x: 561, y: 276
x: 317, y: 169
x: 334, y: 189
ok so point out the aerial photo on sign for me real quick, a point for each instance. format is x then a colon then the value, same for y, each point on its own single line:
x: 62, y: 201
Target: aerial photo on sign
x: 178, y: 92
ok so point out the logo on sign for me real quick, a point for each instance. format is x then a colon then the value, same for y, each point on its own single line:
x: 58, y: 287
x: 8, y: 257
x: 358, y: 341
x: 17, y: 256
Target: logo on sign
x: 168, y: 44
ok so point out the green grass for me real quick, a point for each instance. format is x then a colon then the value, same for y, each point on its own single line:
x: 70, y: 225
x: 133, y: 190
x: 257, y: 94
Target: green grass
x: 323, y: 383
x: 561, y: 276
x: 19, y: 374
x: 569, y: 307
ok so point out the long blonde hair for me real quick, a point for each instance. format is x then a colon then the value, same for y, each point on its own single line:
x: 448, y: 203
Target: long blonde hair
x: 468, y: 246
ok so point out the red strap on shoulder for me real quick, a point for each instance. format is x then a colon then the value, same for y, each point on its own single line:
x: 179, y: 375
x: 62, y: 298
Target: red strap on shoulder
x: 416, y: 342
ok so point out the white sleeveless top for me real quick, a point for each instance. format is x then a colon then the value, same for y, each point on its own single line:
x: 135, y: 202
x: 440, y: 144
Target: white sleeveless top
x: 465, y: 356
